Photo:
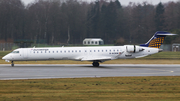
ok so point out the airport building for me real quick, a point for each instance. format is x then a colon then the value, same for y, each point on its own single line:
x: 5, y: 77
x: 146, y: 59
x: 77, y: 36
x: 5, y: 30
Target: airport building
x: 93, y: 41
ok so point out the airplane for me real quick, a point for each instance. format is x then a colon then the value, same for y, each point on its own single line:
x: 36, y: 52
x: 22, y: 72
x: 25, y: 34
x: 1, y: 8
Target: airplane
x: 98, y: 54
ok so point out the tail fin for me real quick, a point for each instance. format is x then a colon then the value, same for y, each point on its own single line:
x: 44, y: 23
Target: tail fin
x: 157, y: 39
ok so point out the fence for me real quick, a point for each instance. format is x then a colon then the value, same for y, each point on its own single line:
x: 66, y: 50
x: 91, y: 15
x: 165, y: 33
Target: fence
x: 166, y: 47
x: 6, y: 46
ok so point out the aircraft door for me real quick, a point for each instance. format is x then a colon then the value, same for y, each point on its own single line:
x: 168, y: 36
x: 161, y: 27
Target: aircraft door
x: 25, y: 53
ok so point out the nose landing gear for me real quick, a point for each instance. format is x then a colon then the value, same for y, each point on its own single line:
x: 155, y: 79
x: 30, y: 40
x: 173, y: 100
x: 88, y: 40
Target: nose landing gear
x: 12, y: 64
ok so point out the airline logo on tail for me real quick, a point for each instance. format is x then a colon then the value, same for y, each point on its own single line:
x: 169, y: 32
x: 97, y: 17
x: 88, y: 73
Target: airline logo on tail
x: 157, y: 40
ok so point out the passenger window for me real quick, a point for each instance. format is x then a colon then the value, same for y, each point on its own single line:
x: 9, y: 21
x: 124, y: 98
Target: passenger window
x: 75, y: 50
x: 94, y: 50
x: 64, y: 51
x: 49, y: 51
x: 102, y: 50
x: 57, y: 51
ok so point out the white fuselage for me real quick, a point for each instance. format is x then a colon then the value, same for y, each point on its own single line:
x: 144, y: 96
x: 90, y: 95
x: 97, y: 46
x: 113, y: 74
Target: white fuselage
x: 101, y: 53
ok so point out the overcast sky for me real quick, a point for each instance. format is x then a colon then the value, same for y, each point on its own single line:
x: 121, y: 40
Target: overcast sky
x: 123, y: 2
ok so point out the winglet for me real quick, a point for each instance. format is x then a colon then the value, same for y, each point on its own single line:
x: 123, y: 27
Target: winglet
x: 157, y: 40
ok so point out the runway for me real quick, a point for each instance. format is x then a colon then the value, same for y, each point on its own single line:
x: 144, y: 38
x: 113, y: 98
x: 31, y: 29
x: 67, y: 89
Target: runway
x: 42, y: 71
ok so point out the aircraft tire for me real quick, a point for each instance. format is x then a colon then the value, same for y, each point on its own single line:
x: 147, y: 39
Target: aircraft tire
x: 95, y: 64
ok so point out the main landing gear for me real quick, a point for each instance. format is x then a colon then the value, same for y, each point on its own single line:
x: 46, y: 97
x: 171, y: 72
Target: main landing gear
x: 95, y: 64
x: 12, y: 64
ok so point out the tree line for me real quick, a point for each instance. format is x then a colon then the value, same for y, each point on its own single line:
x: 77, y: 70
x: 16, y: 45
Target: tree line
x: 70, y: 21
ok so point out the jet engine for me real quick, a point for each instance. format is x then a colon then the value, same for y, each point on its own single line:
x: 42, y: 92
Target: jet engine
x: 133, y: 49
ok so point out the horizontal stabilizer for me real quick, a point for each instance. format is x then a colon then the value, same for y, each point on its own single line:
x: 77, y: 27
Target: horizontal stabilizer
x: 167, y: 34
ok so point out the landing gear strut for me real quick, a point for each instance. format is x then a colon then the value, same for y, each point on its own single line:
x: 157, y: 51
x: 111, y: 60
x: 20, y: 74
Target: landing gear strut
x: 95, y: 64
x: 12, y: 64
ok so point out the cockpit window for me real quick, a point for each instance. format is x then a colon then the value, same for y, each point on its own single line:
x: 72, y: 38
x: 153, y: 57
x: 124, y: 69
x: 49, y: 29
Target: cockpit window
x: 15, y: 52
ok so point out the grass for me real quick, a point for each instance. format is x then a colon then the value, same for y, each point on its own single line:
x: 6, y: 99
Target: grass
x: 97, y: 89
x: 164, y: 55
x: 159, y: 58
x: 88, y: 89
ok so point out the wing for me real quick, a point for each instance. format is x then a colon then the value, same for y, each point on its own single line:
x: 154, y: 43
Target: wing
x: 94, y: 58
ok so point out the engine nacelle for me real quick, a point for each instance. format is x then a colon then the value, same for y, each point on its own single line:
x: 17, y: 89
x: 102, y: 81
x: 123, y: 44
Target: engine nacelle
x: 133, y: 49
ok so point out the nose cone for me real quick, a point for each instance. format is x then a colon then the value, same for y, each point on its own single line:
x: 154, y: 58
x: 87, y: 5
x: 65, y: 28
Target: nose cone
x: 5, y: 57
